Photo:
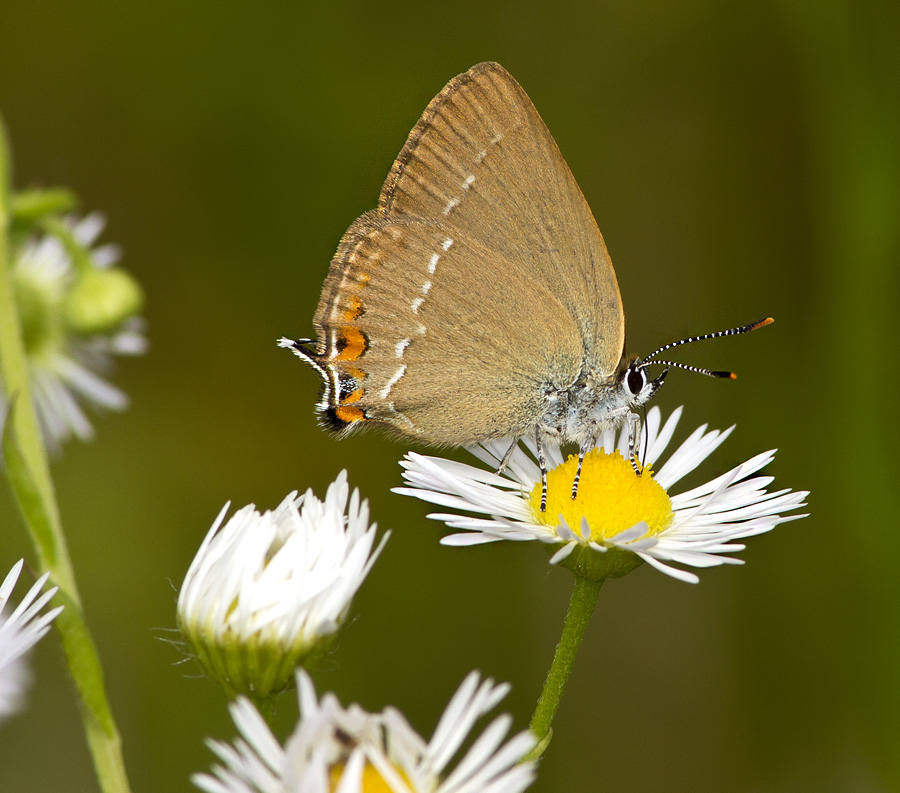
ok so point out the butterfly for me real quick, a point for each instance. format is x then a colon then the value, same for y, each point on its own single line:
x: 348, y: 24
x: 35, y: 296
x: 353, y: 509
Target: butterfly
x: 478, y: 301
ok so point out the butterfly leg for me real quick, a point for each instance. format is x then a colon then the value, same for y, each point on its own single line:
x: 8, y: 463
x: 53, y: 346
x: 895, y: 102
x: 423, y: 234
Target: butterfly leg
x: 508, y: 456
x: 581, y: 453
x: 633, y: 425
x: 543, y: 464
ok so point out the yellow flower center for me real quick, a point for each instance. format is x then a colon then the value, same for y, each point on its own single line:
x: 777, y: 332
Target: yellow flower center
x: 372, y: 781
x: 610, y: 495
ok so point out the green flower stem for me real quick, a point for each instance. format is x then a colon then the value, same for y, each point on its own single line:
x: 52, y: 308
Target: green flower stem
x: 266, y: 708
x: 29, y: 475
x: 581, y: 606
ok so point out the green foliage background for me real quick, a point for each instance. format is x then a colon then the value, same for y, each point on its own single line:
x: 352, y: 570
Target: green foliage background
x: 741, y: 160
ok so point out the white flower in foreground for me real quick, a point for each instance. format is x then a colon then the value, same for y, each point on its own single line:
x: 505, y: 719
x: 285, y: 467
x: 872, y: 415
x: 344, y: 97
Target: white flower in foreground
x: 75, y: 317
x: 347, y: 750
x: 267, y: 592
x: 19, y: 632
x: 619, y: 519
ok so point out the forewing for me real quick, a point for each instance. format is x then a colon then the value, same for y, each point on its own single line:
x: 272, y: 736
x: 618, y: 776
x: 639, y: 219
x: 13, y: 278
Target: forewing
x: 430, y: 332
x: 481, y: 161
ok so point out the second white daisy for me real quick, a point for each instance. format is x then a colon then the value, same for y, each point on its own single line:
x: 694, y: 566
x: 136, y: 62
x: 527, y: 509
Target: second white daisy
x: 267, y: 592
x: 619, y: 519
x: 348, y: 750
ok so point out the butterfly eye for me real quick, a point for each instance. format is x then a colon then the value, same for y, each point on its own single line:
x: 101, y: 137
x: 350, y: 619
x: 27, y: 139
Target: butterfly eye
x: 635, y: 379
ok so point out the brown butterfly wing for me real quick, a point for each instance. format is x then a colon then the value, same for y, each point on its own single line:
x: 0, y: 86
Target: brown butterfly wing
x: 480, y: 285
x: 481, y: 160
x: 429, y: 332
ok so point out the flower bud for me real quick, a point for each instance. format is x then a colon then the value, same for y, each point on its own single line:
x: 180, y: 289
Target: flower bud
x: 101, y: 300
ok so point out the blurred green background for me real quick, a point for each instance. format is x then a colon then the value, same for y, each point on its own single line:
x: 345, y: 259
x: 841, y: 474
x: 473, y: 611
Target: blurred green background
x: 741, y: 160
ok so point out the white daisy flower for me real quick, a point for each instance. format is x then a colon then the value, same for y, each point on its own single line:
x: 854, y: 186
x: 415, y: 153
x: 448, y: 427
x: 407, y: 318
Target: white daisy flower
x: 19, y: 632
x: 267, y: 592
x: 75, y: 317
x: 619, y: 519
x: 347, y: 750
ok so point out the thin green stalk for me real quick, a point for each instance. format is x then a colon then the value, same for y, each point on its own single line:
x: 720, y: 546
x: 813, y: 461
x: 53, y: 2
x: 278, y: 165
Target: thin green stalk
x: 581, y: 607
x: 29, y: 475
x: 266, y: 708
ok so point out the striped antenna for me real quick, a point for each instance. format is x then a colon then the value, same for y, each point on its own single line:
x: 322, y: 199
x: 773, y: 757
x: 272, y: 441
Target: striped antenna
x: 697, y: 369
x: 730, y: 332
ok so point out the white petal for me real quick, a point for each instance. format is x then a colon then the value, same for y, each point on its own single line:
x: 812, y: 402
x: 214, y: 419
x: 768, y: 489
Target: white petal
x: 707, y: 519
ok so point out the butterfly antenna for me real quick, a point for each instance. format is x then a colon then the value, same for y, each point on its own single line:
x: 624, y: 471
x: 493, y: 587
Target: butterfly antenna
x: 697, y: 369
x: 709, y: 372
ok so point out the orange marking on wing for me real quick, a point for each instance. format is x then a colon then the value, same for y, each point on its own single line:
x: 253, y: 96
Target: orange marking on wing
x: 354, y: 309
x: 354, y: 343
x: 349, y: 415
x: 353, y: 396
x: 357, y: 374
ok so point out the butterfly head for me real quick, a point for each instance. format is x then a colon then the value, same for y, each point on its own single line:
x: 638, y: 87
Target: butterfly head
x: 636, y: 387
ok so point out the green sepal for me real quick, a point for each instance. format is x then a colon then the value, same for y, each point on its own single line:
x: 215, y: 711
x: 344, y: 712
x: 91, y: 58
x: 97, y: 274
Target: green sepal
x: 585, y: 562
x: 254, y: 668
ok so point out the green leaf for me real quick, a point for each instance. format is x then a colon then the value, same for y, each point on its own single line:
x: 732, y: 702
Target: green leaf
x: 29, y: 206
